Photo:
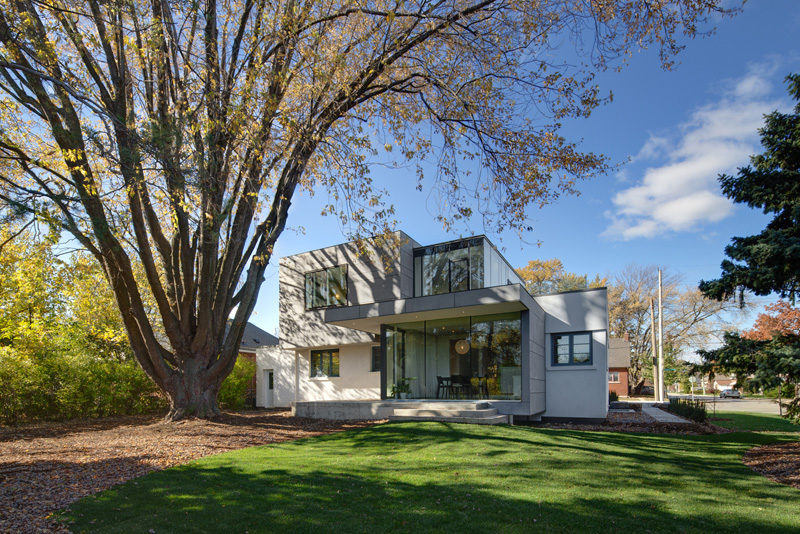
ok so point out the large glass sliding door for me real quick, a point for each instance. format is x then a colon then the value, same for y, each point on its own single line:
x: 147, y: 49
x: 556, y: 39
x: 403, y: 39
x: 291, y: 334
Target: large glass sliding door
x: 461, y: 358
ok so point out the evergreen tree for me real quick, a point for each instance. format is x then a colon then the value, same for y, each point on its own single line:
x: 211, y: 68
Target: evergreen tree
x: 769, y: 261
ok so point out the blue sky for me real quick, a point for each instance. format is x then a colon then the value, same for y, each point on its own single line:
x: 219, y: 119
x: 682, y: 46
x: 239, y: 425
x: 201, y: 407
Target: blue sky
x: 675, y: 130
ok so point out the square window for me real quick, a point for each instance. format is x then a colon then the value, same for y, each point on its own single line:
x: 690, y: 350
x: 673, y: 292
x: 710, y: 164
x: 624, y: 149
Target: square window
x: 324, y: 363
x: 572, y: 349
x: 327, y: 287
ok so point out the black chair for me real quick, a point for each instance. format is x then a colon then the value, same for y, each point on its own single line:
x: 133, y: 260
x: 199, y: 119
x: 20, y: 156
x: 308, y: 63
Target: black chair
x: 461, y: 386
x: 443, y: 386
x: 483, y: 388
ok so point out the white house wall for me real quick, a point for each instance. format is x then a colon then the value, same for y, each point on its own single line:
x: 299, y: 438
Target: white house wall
x: 355, y: 380
x: 282, y: 364
x: 577, y: 391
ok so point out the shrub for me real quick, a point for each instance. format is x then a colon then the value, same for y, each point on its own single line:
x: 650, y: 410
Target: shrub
x: 612, y: 396
x: 53, y: 385
x: 694, y: 410
x: 232, y: 393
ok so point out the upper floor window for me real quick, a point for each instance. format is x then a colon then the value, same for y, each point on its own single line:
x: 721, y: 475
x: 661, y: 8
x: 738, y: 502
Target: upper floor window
x: 449, y: 267
x: 327, y: 287
x: 572, y: 349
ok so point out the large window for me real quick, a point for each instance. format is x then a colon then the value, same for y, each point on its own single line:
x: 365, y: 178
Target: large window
x: 327, y: 287
x: 572, y: 349
x: 324, y: 363
x: 449, y: 267
x: 477, y: 357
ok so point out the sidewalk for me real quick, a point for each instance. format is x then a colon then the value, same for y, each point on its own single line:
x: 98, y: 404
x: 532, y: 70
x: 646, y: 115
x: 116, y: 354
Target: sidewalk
x: 663, y: 417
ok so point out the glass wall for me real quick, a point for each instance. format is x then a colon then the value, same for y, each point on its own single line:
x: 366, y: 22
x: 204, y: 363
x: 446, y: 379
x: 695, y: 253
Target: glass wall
x: 449, y: 267
x: 461, y: 358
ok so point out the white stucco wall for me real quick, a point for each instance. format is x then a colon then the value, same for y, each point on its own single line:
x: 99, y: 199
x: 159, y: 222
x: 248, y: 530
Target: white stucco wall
x: 282, y: 363
x: 577, y: 391
x: 355, y: 380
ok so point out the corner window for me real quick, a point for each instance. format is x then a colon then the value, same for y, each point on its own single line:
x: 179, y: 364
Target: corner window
x: 376, y: 359
x: 324, y: 363
x: 613, y: 377
x: 572, y: 349
x: 327, y: 287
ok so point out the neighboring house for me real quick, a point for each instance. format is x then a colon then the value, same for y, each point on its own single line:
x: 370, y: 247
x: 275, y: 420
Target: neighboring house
x: 451, y: 320
x: 253, y: 339
x: 619, y: 360
x: 723, y: 382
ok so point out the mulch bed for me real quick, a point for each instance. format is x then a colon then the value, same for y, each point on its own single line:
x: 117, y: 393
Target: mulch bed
x: 45, y: 467
x: 779, y: 462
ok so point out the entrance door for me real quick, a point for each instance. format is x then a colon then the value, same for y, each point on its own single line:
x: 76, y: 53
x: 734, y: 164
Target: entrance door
x: 269, y: 398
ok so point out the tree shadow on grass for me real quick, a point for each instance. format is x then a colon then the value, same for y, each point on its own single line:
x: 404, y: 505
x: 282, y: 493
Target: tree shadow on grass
x: 275, y: 499
x: 443, y: 478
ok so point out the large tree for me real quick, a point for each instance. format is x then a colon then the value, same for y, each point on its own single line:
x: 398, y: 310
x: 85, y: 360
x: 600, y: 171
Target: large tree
x: 769, y: 261
x: 176, y: 133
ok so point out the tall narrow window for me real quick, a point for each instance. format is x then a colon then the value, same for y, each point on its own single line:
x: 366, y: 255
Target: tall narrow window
x: 327, y: 287
x: 376, y: 359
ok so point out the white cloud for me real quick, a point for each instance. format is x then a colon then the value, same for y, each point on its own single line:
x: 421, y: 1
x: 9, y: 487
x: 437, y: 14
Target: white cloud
x: 678, y: 191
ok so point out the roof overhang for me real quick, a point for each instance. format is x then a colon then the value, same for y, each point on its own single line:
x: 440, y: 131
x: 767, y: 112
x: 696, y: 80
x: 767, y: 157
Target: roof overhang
x: 490, y: 300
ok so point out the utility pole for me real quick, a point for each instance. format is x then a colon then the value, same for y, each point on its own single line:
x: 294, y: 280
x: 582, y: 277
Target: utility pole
x: 653, y: 349
x: 660, y: 343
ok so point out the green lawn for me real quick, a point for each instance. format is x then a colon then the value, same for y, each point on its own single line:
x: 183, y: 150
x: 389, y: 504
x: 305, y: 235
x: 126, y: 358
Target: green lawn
x: 757, y: 422
x: 436, y: 477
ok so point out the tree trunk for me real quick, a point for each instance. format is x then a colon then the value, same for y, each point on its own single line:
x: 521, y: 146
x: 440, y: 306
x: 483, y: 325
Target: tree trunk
x: 190, y: 395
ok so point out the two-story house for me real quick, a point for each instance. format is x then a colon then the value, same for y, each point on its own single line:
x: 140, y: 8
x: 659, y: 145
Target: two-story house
x: 370, y: 333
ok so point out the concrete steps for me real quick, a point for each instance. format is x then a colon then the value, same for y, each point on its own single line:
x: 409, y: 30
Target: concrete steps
x: 478, y: 413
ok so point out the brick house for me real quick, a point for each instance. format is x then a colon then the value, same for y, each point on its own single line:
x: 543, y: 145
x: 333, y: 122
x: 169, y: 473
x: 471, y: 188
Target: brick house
x: 619, y: 360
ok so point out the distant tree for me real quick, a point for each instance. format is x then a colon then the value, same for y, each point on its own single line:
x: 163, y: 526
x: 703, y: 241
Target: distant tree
x: 781, y: 318
x: 770, y: 261
x: 176, y: 134
x: 690, y: 319
x: 549, y: 276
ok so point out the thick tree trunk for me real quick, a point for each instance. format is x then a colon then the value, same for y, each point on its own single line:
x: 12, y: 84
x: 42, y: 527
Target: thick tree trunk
x: 191, y: 395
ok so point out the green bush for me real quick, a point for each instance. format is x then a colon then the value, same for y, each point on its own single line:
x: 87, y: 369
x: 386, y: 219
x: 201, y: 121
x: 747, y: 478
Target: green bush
x: 694, y: 410
x: 612, y: 396
x: 232, y: 393
x: 59, y: 385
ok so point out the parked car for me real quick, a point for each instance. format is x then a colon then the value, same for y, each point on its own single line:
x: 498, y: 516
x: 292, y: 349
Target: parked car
x: 730, y: 394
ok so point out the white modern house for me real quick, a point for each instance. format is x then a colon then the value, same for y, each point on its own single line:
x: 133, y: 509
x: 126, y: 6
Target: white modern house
x: 449, y: 326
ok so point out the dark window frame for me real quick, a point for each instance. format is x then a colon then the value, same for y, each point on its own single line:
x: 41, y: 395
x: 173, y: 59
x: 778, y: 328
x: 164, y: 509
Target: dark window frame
x: 322, y: 353
x: 311, y: 275
x: 449, y: 247
x: 571, y: 363
x: 375, y: 364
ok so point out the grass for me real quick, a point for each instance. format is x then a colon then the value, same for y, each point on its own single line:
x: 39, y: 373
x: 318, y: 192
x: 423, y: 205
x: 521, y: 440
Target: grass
x: 754, y: 422
x: 438, y: 477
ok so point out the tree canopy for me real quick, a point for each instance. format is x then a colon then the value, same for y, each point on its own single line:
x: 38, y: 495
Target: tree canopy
x: 549, y: 276
x: 769, y: 261
x: 176, y: 134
